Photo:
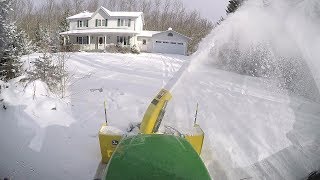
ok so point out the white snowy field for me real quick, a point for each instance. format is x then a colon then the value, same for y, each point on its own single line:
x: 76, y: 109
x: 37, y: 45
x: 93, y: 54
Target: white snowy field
x: 37, y: 142
x: 251, y: 130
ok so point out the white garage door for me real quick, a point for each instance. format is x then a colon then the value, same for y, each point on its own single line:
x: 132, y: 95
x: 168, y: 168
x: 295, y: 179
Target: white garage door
x: 169, y: 47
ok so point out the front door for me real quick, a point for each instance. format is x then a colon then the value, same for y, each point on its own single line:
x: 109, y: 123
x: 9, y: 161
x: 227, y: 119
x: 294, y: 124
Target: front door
x: 99, y: 42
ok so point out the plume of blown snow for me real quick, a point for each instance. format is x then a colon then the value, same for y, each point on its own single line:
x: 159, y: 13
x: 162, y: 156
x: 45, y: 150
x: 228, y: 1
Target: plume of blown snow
x: 278, y: 39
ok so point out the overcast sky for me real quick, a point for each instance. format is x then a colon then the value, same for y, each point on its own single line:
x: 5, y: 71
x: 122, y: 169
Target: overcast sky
x: 211, y: 9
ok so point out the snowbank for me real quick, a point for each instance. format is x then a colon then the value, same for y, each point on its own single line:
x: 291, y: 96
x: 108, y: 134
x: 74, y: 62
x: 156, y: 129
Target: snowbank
x: 40, y: 132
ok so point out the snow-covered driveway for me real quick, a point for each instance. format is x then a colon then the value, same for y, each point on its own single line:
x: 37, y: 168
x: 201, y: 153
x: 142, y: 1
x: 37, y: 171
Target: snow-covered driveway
x: 34, y: 147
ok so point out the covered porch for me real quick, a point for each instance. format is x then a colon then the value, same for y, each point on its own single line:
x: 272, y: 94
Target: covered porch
x: 98, y: 40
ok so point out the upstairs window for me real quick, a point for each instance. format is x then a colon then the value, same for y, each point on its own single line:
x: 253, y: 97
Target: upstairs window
x: 82, y: 23
x: 98, y: 22
x: 124, y: 22
x: 144, y: 42
x: 170, y: 34
x: 101, y: 22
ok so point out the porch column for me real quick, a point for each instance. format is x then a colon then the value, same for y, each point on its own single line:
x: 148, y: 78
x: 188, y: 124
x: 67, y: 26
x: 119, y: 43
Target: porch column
x: 64, y: 40
x: 89, y: 39
x: 105, y: 41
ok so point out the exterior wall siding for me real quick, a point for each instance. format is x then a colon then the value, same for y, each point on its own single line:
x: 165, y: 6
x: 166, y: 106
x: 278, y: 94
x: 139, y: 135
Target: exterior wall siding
x: 112, y: 22
x: 147, y: 47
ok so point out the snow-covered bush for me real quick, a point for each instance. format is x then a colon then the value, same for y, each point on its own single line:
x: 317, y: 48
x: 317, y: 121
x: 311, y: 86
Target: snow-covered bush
x: 118, y: 49
x: 50, y: 70
x: 135, y: 49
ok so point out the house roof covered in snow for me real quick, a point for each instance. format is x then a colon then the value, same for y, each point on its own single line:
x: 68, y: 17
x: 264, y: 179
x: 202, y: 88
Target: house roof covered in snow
x: 148, y: 33
x: 172, y: 31
x: 121, y: 13
x: 86, y: 14
x: 82, y: 15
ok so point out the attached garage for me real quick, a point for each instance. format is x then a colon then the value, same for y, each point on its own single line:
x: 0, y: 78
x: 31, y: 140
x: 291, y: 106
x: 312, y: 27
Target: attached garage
x: 170, y: 42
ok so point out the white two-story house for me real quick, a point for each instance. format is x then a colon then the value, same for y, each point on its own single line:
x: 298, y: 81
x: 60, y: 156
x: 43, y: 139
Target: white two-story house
x: 102, y: 28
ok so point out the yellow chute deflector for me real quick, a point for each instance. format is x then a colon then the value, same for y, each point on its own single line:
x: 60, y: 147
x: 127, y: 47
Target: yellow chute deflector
x: 154, y: 114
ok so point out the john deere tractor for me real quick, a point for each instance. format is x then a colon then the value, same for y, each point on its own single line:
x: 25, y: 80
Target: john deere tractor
x: 150, y: 154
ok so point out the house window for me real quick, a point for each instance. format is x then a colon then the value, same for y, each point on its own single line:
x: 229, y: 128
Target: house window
x: 98, y: 22
x: 144, y: 41
x: 170, y: 34
x: 180, y: 43
x: 124, y: 22
x: 173, y: 43
x: 83, y: 40
x: 158, y: 41
x: 79, y: 23
x: 82, y: 23
x: 119, y: 39
x: 165, y: 42
x: 125, y: 40
x: 101, y: 22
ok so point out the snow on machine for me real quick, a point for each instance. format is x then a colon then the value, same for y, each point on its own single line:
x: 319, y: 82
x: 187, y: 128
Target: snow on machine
x: 150, y: 154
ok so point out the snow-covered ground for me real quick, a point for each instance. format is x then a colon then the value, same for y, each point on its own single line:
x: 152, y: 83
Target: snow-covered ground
x: 37, y: 142
x: 251, y: 130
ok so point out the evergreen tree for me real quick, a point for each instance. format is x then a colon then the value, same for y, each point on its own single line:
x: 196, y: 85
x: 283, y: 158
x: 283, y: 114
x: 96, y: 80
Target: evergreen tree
x: 64, y: 26
x: 233, y: 6
x: 12, y: 44
x: 42, y: 39
x: 48, y: 71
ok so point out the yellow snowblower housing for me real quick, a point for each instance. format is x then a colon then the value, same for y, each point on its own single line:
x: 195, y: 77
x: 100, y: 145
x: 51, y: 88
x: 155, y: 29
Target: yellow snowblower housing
x: 149, y: 125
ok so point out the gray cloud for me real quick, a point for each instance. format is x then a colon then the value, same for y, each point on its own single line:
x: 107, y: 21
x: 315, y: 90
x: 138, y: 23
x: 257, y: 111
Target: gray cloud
x: 211, y: 9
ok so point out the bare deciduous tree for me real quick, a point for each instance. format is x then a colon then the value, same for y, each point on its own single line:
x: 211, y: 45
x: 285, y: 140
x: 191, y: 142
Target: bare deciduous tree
x: 158, y: 15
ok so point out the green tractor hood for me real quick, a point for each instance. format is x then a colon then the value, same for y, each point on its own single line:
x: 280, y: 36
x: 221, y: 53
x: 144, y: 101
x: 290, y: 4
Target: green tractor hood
x: 155, y: 156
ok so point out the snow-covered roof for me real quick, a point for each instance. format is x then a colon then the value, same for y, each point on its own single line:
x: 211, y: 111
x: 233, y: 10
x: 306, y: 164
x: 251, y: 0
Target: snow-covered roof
x: 170, y: 30
x: 121, y: 13
x: 148, y: 33
x: 98, y: 31
x: 87, y: 14
x: 82, y: 15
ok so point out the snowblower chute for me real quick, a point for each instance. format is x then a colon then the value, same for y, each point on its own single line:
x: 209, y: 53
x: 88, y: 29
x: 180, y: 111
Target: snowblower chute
x: 154, y: 114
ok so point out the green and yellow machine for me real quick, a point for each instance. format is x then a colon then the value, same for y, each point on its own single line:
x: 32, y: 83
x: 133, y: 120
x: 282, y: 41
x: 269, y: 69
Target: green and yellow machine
x: 150, y: 154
